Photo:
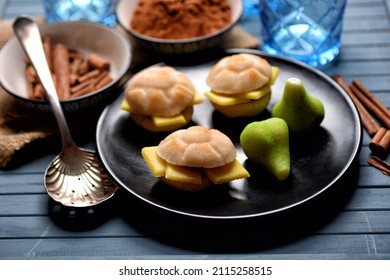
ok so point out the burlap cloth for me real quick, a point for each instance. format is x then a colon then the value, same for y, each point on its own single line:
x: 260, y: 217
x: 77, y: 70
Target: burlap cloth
x: 20, y: 127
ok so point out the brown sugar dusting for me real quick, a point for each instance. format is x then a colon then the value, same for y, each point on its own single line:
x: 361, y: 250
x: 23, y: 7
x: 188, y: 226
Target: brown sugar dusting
x: 180, y: 19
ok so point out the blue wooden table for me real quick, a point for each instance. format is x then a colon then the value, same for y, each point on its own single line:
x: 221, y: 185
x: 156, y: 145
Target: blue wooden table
x: 353, y: 223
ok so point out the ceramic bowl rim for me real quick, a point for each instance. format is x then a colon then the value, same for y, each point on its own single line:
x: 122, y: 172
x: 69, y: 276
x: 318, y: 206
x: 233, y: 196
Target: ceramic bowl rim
x: 181, y: 41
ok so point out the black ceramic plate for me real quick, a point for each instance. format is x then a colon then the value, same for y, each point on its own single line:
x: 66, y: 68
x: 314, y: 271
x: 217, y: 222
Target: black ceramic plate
x: 319, y: 161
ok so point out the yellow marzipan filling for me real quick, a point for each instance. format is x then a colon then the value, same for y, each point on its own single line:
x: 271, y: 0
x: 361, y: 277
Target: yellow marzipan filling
x: 226, y: 173
x: 235, y: 99
x: 166, y: 121
x: 275, y: 74
x: 183, y: 174
x: 218, y: 175
x: 156, y: 164
x: 229, y: 100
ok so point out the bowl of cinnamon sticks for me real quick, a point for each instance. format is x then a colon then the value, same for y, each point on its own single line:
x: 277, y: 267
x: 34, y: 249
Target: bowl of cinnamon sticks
x: 172, y: 27
x: 88, y: 62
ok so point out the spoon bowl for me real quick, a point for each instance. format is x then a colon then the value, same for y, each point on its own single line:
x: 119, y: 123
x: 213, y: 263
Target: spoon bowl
x: 75, y: 177
x: 77, y: 180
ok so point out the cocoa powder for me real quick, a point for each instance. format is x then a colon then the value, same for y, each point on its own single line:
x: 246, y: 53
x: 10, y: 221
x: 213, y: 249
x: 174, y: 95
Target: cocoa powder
x: 180, y: 19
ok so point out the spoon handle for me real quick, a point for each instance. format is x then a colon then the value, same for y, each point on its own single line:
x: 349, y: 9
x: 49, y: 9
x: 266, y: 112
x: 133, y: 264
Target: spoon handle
x: 28, y: 34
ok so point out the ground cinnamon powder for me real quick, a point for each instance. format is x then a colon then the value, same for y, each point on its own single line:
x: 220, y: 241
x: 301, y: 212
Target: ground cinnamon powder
x: 180, y: 19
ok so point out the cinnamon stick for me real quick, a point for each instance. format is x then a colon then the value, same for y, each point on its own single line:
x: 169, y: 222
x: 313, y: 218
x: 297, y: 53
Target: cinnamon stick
x: 371, y: 106
x: 31, y: 75
x: 379, y: 164
x: 99, y: 77
x: 54, y: 78
x: 102, y: 80
x: 372, y: 98
x: 89, y: 75
x: 75, y: 65
x: 30, y: 90
x: 61, y: 70
x: 80, y: 86
x: 73, y: 78
x: 92, y: 82
x: 83, y: 68
x: 380, y: 143
x: 95, y: 61
x: 38, y: 92
x: 31, y: 80
x: 72, y: 73
x: 368, y: 121
x: 84, y: 90
x: 47, y: 47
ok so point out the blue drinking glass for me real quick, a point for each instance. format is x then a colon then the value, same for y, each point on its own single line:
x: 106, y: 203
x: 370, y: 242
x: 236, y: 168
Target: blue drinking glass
x: 101, y: 11
x: 251, y: 7
x: 306, y: 30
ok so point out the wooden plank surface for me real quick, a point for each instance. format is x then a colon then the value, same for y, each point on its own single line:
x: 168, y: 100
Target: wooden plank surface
x: 370, y: 197
x: 317, y: 247
x: 13, y: 8
x: 347, y: 222
x: 358, y: 227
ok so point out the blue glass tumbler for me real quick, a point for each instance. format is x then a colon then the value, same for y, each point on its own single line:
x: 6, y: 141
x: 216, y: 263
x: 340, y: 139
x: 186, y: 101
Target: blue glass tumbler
x: 251, y: 7
x: 306, y: 30
x: 100, y: 11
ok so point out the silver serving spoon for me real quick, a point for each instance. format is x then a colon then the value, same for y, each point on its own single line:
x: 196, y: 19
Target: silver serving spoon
x: 75, y: 177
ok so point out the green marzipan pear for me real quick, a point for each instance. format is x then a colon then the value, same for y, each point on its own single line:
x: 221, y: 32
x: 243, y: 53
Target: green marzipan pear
x: 267, y: 143
x: 301, y: 111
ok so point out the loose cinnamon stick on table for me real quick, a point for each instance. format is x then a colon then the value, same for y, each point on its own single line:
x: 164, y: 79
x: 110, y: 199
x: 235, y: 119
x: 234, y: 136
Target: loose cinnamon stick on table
x: 380, y: 143
x: 368, y: 121
x: 372, y: 98
x: 372, y: 106
x: 380, y: 164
